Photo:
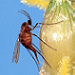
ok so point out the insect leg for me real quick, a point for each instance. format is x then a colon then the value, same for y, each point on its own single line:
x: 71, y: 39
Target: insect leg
x: 47, y: 24
x: 36, y: 25
x: 33, y: 59
x: 34, y: 51
x: 44, y: 42
x: 44, y: 58
x: 52, y: 23
x: 41, y: 56
x: 36, y: 47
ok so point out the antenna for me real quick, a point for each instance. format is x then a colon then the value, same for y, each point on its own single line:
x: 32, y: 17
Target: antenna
x: 25, y: 13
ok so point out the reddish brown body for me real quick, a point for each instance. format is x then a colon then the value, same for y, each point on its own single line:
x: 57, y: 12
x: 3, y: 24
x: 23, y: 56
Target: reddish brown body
x: 25, y: 37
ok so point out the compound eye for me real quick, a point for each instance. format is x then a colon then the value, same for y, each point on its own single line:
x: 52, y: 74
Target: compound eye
x: 29, y: 21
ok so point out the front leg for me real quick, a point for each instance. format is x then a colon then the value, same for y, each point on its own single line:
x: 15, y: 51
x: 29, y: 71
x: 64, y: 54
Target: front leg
x: 47, y: 24
x: 36, y: 25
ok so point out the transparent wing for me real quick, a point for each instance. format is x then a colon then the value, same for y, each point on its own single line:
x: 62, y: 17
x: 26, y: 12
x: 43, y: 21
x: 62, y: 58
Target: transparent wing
x: 16, y: 51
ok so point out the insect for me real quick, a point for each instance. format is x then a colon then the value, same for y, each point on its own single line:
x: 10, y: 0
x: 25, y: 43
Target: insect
x: 25, y: 38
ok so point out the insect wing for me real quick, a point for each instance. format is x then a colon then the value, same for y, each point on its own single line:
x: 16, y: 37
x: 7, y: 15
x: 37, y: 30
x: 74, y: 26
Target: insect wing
x: 16, y: 51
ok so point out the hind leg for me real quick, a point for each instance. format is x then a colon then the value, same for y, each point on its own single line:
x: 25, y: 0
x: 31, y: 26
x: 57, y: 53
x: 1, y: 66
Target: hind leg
x: 34, y: 51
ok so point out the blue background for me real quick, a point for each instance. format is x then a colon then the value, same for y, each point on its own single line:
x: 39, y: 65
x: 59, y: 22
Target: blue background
x: 10, y: 23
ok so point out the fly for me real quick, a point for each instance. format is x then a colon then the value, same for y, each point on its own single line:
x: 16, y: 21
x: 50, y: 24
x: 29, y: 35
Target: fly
x: 25, y: 38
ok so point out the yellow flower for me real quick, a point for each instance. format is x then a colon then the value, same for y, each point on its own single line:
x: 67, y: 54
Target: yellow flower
x: 42, y: 4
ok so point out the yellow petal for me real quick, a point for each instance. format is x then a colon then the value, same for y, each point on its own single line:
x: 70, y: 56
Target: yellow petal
x: 42, y: 4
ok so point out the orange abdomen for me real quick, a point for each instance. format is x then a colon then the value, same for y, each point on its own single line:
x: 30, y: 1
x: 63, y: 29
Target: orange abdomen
x: 25, y: 39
